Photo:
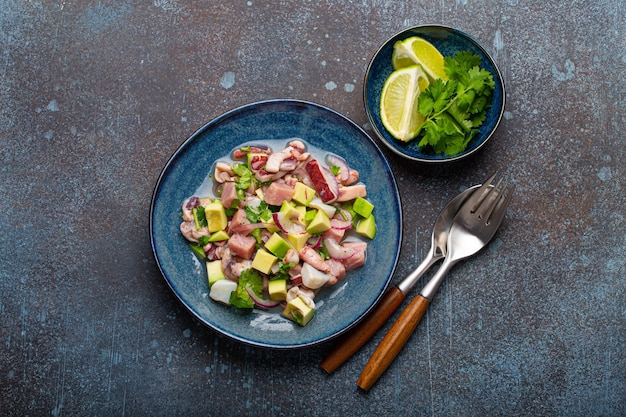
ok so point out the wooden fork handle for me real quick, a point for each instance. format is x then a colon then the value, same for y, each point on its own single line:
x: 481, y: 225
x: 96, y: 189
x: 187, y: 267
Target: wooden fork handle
x: 352, y: 341
x: 393, y: 342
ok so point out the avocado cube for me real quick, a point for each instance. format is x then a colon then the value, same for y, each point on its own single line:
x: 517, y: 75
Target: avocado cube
x: 263, y: 261
x: 198, y: 250
x: 277, y: 289
x: 277, y: 245
x: 309, y: 215
x: 299, y: 311
x: 214, y: 271
x: 298, y: 241
x: 367, y: 227
x: 219, y: 236
x: 216, y: 216
x: 301, y: 213
x: 362, y: 207
x: 303, y: 194
x: 319, y: 224
x: 289, y: 209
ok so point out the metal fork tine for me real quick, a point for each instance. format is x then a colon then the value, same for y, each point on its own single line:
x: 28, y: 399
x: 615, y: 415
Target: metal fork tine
x: 479, y: 195
x: 499, y: 193
x: 509, y: 196
x: 489, y: 202
x: 499, y: 209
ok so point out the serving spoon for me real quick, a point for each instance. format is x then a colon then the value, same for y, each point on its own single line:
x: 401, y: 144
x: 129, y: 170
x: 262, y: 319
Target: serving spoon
x: 352, y: 341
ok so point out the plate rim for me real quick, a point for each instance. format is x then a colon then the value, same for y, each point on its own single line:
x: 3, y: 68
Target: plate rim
x: 216, y: 121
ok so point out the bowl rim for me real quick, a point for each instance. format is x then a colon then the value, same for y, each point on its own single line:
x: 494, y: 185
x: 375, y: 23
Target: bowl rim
x: 379, y: 134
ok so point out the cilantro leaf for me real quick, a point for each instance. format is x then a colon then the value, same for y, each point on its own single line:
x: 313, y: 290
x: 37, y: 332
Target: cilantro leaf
x: 455, y: 108
x: 251, y: 280
x: 199, y: 217
x: 283, y: 270
x: 254, y: 214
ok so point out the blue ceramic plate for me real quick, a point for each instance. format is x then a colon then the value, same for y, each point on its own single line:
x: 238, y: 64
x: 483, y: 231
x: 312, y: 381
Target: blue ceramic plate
x: 339, y: 307
x: 448, y: 41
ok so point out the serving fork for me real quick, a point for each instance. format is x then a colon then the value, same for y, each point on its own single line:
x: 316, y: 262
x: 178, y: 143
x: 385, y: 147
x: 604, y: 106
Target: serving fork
x: 474, y: 226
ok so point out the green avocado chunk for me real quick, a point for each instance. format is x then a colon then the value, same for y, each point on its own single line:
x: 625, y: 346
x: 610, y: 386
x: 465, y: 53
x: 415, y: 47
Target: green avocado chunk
x: 362, y: 207
x: 299, y: 311
x: 367, y: 227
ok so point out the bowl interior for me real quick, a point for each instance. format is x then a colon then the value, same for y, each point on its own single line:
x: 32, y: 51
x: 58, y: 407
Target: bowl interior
x: 339, y: 307
x: 448, y: 41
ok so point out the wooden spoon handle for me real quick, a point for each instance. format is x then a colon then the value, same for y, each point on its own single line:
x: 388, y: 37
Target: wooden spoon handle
x: 393, y: 342
x: 352, y: 341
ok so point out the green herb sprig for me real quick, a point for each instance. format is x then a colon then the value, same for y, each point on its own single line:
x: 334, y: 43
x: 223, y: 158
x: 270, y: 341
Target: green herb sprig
x: 454, y: 109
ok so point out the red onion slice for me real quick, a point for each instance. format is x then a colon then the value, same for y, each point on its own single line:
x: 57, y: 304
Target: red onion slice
x: 287, y: 225
x: 340, y: 224
x: 314, y: 242
x: 336, y: 161
x: 261, y: 302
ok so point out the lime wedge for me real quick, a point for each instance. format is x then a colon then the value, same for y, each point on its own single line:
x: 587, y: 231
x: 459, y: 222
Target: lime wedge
x: 416, y: 50
x: 398, y: 102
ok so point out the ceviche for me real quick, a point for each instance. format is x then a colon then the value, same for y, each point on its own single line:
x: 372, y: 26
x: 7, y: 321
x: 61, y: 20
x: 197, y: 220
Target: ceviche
x: 278, y: 226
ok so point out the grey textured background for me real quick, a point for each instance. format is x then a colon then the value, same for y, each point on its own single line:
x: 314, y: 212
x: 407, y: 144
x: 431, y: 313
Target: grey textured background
x: 96, y: 95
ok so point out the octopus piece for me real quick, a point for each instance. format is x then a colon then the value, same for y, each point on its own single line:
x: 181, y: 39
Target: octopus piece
x: 356, y: 260
x: 292, y: 256
x: 323, y: 181
x: 313, y: 278
x: 257, y: 165
x: 233, y: 266
x: 313, y: 258
x: 198, y: 233
x: 306, y: 295
x: 275, y: 159
x: 187, y: 229
x: 337, y: 271
x: 291, y: 179
x: 241, y: 153
x: 297, y: 145
x: 223, y: 172
x: 289, y: 164
x: 188, y: 206
x: 353, y: 178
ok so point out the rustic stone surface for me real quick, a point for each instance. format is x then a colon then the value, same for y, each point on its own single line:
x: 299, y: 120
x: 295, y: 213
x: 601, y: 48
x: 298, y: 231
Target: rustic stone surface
x: 96, y: 95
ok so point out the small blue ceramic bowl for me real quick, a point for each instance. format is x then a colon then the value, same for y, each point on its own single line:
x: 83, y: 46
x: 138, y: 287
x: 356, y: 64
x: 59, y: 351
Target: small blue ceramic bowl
x: 338, y: 307
x: 448, y: 41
